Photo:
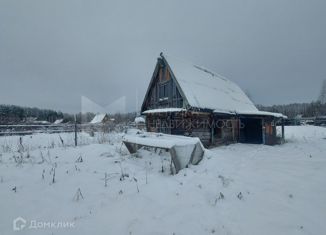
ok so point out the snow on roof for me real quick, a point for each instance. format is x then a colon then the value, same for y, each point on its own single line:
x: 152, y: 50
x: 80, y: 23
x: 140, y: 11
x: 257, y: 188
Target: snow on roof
x: 98, y: 118
x: 164, y: 110
x: 207, y: 90
x: 58, y: 121
x: 263, y: 113
x: 41, y: 122
x: 139, y: 120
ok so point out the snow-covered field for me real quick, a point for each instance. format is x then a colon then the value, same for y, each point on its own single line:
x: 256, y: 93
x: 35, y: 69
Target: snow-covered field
x: 237, y: 189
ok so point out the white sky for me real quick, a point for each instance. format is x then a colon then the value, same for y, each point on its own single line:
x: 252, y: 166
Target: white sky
x: 54, y: 52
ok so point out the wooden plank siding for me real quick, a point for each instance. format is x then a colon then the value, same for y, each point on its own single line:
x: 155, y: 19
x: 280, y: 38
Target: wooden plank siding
x: 202, y: 125
x: 270, y: 132
x: 207, y: 127
x: 164, y: 92
x: 226, y: 130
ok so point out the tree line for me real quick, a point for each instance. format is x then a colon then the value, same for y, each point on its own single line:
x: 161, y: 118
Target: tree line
x: 13, y: 114
x: 312, y: 109
x: 16, y: 114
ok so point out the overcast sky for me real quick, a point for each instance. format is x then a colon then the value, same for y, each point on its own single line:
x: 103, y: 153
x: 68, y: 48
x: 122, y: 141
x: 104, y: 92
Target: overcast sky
x: 54, y: 52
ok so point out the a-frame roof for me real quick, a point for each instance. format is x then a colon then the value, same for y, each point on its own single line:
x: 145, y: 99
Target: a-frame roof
x: 204, y: 89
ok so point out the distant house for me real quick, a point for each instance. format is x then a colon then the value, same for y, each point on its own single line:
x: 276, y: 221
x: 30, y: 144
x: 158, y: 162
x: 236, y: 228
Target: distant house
x: 320, y: 121
x: 30, y: 120
x: 185, y: 99
x: 58, y: 121
x: 100, y: 118
x: 40, y: 122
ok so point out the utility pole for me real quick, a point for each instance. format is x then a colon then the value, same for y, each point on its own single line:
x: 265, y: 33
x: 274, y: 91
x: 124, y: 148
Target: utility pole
x: 75, y: 130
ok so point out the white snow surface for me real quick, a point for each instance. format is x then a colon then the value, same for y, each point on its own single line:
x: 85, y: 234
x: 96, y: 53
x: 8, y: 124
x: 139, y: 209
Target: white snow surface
x: 206, y: 89
x: 282, y: 187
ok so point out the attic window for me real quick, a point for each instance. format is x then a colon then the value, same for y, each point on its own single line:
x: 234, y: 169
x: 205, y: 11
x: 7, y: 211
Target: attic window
x: 163, y: 91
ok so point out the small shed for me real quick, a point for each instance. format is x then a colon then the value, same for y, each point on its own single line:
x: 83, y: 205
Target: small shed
x: 320, y: 121
x: 58, y: 121
x: 100, y: 118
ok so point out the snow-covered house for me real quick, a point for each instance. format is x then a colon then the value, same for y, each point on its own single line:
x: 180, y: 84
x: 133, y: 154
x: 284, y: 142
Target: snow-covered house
x: 186, y: 99
x: 100, y: 118
x: 58, y: 121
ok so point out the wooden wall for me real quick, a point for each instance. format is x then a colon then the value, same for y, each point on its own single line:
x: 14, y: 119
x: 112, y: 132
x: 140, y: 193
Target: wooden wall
x: 205, y: 126
x: 196, y: 124
x: 270, y: 132
x: 163, y: 92
x: 226, y: 130
x: 182, y: 123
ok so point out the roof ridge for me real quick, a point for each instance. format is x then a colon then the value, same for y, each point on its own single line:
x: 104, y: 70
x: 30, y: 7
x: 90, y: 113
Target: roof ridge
x: 214, y: 74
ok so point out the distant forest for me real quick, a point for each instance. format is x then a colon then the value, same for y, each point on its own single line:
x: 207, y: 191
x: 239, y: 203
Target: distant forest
x: 13, y: 114
x: 16, y: 114
x: 312, y: 109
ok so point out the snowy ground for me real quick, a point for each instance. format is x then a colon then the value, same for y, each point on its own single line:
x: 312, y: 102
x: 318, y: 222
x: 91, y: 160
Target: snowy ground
x: 283, y: 188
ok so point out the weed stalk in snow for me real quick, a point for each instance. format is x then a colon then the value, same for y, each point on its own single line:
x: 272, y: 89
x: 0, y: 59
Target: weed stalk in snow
x: 106, y: 179
x: 42, y: 158
x: 136, y: 181
x: 53, y: 177
x: 146, y: 171
x: 61, y: 141
x: 20, y: 146
x: 80, y: 159
x: 78, y: 195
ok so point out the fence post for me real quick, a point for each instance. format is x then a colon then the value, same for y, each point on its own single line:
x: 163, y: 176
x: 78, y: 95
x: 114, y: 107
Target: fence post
x: 75, y: 130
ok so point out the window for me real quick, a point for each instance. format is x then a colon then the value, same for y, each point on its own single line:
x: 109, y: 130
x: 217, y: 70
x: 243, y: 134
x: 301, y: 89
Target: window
x: 163, y: 92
